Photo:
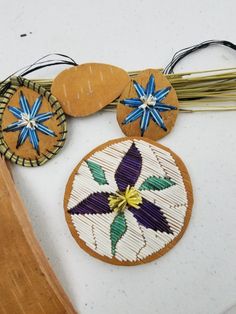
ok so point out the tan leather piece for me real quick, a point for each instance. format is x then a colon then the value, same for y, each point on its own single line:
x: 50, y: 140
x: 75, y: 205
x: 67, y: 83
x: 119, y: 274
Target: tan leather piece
x: 85, y: 89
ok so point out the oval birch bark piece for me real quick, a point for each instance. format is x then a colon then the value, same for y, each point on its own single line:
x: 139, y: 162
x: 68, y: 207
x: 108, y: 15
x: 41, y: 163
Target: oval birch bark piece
x: 33, y: 125
x: 153, y: 131
x: 87, y: 88
x: 128, y: 201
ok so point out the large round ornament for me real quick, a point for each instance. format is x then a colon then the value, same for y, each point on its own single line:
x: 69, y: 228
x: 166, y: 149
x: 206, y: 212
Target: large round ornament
x: 128, y: 201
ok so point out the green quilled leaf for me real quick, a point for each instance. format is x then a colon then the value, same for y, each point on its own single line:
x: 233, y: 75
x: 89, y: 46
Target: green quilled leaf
x: 117, y: 230
x: 154, y: 183
x: 97, y: 172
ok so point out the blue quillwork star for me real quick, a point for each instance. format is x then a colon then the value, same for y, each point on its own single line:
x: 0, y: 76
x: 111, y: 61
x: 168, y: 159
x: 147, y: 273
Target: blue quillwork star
x: 148, y: 105
x: 29, y: 121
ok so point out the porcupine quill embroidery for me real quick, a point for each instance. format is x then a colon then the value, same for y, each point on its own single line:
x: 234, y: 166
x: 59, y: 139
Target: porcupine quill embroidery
x: 29, y: 122
x: 40, y: 129
x: 148, y: 105
x: 134, y: 201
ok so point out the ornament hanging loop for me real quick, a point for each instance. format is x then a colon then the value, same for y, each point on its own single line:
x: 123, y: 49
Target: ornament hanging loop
x: 181, y: 54
x: 41, y: 63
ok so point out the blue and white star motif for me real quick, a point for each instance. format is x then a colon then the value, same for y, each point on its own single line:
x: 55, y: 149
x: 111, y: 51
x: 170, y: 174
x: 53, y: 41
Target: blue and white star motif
x: 30, y: 121
x: 148, y: 105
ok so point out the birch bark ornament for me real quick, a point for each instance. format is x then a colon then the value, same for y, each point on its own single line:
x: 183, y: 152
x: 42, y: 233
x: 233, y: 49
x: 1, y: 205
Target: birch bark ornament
x: 85, y: 89
x: 148, y: 106
x: 129, y: 201
x: 33, y: 125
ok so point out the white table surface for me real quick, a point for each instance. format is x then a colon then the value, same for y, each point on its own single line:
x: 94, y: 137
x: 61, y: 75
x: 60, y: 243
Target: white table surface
x: 198, y: 276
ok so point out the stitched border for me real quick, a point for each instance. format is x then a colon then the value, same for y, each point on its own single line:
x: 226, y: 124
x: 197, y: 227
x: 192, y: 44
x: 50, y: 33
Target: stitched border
x: 56, y: 109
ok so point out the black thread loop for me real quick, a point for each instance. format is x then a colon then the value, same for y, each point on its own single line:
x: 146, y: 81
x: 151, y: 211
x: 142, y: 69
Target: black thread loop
x: 37, y: 65
x: 181, y: 54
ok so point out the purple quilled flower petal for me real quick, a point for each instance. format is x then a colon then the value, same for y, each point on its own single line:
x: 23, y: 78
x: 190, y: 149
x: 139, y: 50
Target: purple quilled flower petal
x: 129, y: 168
x: 96, y: 203
x: 150, y: 216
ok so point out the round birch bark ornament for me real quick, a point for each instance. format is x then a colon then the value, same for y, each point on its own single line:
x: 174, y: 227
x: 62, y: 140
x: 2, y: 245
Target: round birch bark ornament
x: 148, y: 106
x: 87, y: 88
x: 128, y: 201
x: 33, y: 125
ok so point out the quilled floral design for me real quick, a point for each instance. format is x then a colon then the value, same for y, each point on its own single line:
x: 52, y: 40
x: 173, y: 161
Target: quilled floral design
x: 29, y: 122
x: 128, y: 201
x: 148, y: 105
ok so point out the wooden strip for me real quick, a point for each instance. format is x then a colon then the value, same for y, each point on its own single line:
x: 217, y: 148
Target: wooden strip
x: 28, y: 284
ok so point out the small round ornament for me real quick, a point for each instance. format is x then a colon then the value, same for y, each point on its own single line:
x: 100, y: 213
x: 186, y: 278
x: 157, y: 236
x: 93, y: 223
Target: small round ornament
x: 128, y: 201
x: 85, y: 89
x: 148, y: 106
x: 33, y: 125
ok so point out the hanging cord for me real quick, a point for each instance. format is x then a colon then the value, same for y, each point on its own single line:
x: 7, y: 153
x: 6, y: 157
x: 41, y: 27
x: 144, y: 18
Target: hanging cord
x: 181, y: 54
x: 37, y: 65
